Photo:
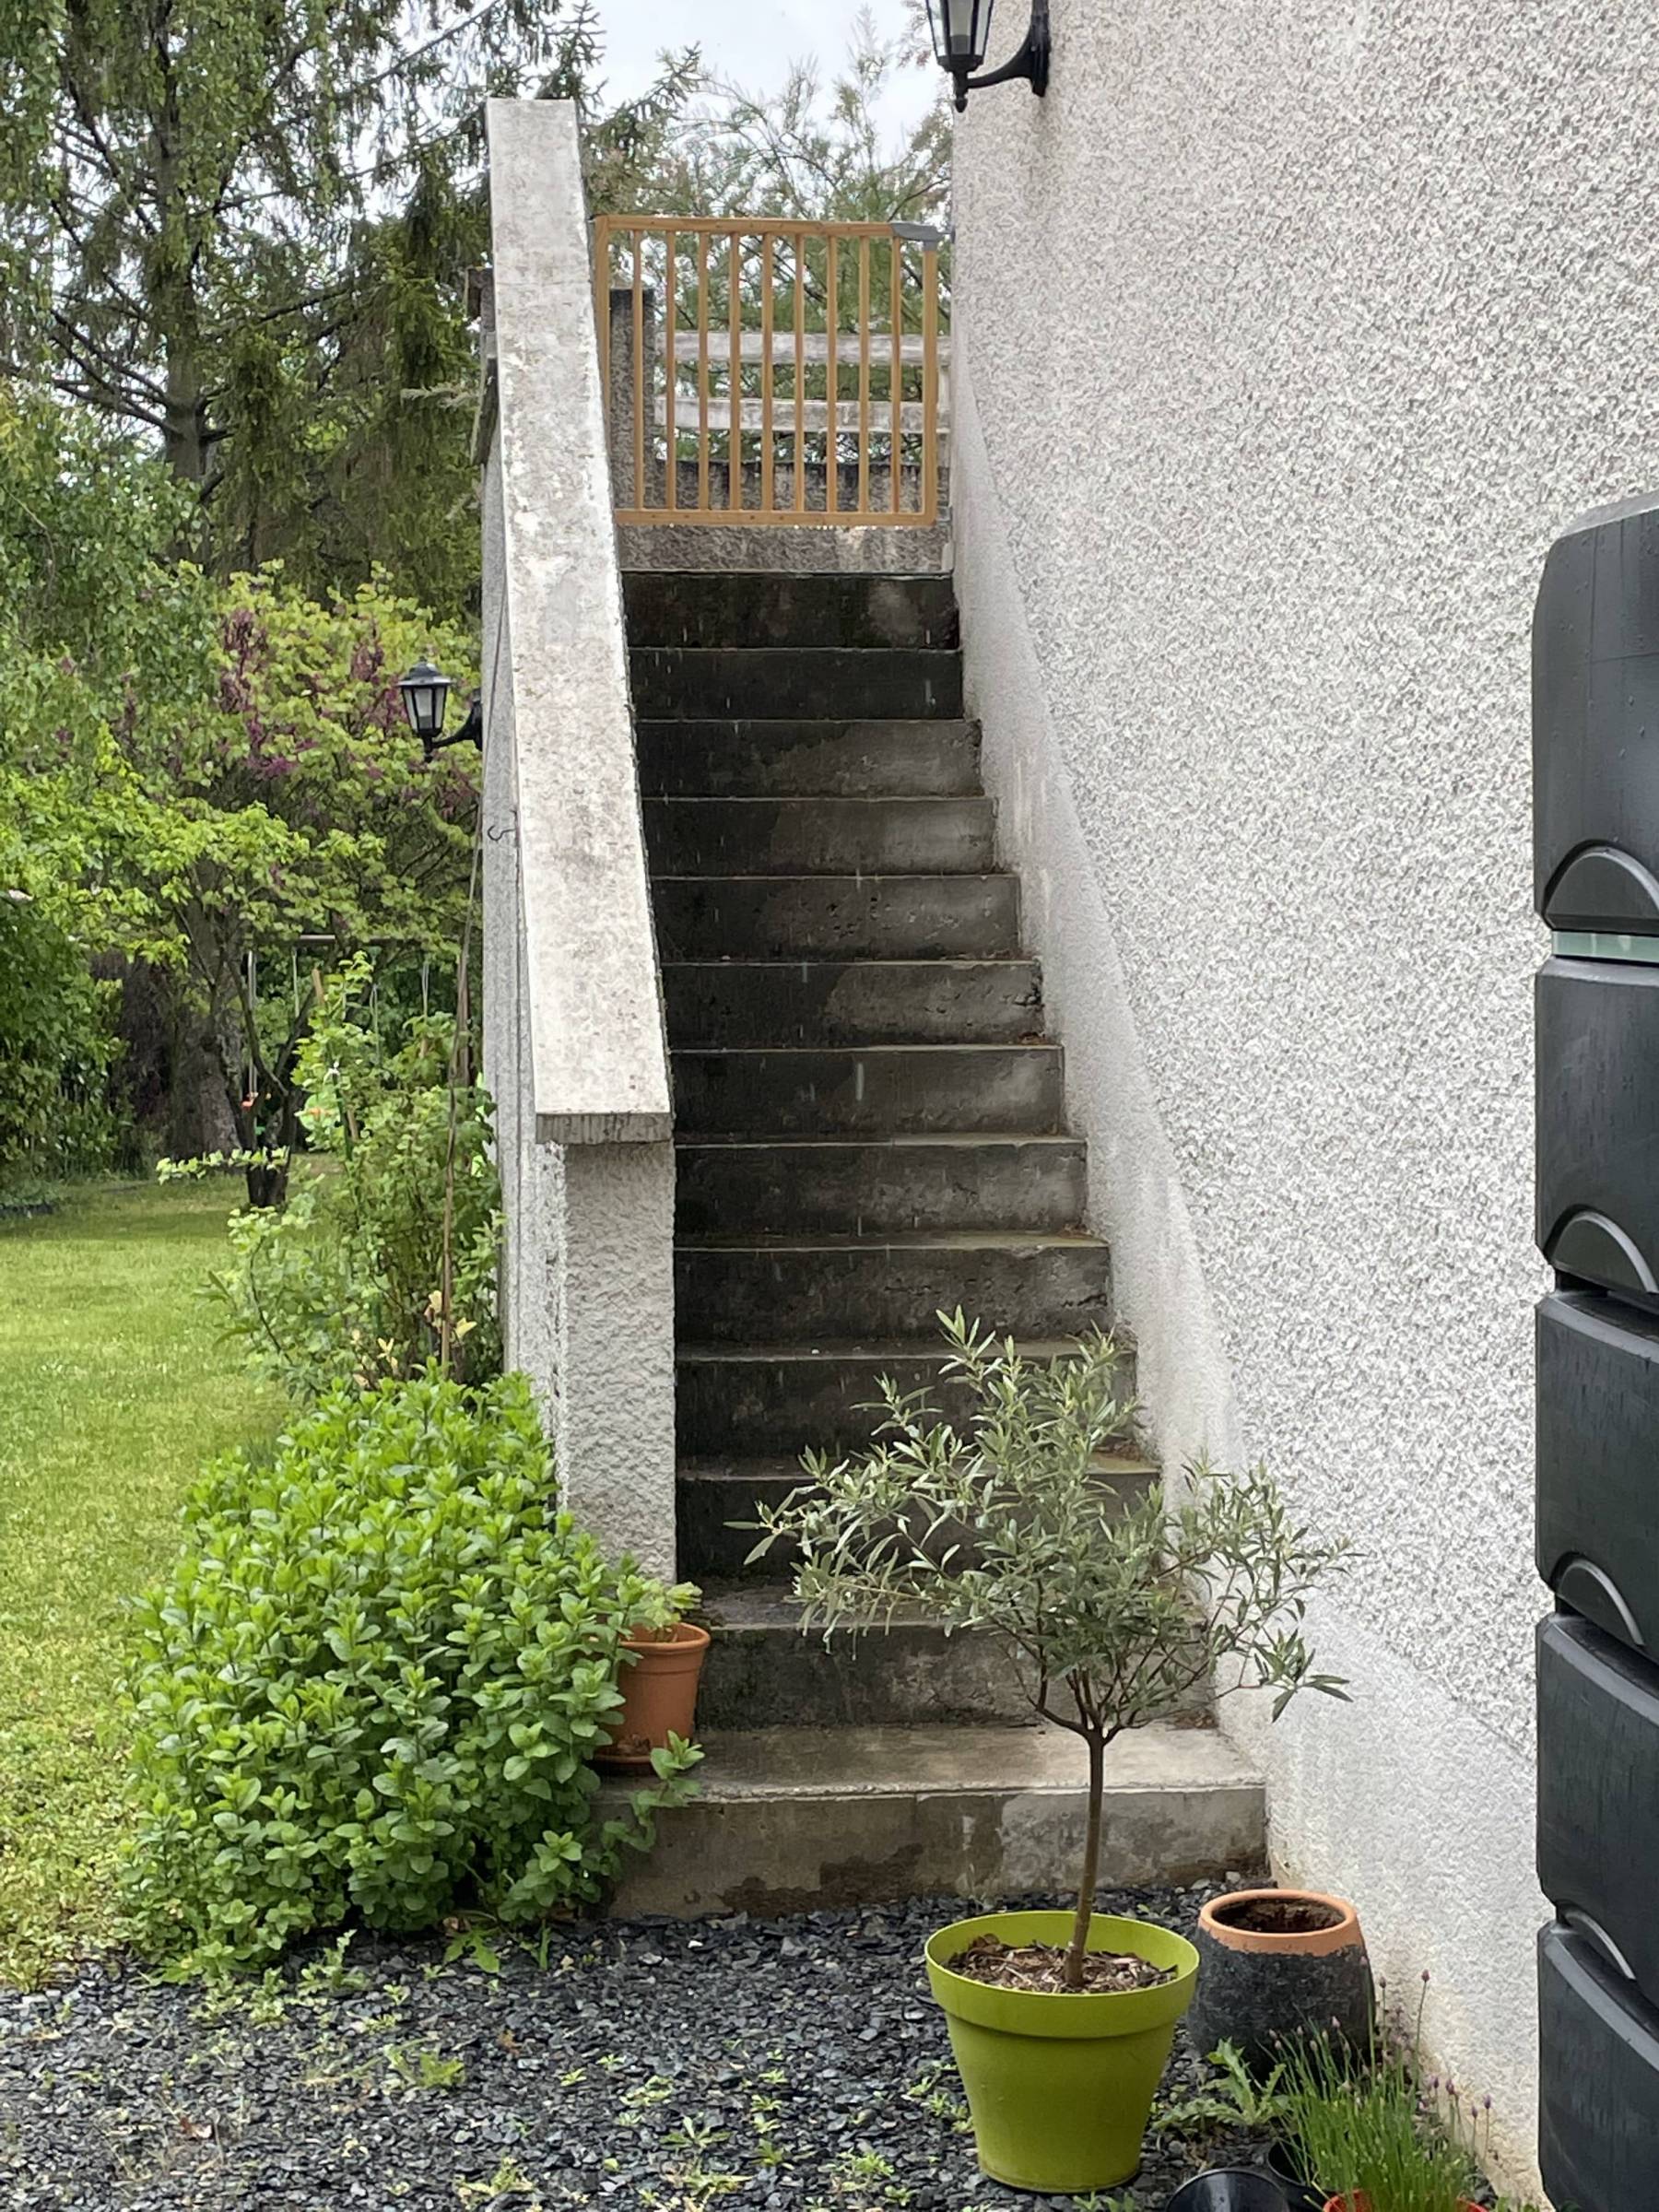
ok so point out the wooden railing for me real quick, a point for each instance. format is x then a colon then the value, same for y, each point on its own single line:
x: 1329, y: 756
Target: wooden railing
x: 763, y: 371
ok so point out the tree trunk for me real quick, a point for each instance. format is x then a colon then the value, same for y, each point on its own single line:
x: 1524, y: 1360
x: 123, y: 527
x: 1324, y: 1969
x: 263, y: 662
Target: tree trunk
x: 1072, y: 1973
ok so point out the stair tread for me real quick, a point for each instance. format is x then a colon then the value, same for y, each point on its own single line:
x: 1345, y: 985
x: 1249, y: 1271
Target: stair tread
x: 963, y: 1139
x: 823, y: 1052
x: 738, y: 1470
x: 904, y: 1239
x: 814, y: 875
x: 909, y: 1348
x: 966, y: 1761
x: 762, y: 962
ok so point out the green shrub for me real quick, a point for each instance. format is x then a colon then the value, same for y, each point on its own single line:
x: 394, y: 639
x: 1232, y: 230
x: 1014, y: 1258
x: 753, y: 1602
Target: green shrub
x: 374, y: 1683
x: 56, y: 1047
x: 345, y: 1283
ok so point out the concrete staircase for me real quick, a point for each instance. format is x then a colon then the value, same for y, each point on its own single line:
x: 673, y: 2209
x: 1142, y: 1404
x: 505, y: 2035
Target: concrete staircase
x: 869, y: 1128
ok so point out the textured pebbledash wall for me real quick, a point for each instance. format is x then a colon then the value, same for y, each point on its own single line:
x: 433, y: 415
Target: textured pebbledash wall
x: 1290, y: 333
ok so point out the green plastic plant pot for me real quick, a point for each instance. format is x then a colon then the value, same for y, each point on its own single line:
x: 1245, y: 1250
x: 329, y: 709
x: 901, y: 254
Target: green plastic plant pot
x: 1060, y: 2086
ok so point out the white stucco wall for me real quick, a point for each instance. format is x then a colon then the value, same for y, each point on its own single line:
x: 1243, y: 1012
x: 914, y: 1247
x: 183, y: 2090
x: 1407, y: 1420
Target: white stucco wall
x: 1288, y: 336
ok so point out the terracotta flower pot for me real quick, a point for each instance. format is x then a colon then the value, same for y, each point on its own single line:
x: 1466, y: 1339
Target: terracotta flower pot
x: 1280, y: 1963
x: 659, y: 1693
x: 1361, y: 2203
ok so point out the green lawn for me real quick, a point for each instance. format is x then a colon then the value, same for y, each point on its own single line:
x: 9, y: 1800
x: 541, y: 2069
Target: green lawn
x: 114, y: 1390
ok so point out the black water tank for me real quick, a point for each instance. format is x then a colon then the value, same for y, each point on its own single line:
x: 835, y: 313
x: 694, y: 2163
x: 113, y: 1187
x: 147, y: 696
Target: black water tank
x: 1598, y: 1791
x: 1598, y: 2050
x: 1595, y: 724
x: 1597, y: 1523
x: 1597, y: 1086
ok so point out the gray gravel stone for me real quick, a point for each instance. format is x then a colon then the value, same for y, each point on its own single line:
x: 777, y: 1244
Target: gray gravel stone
x: 648, y: 2066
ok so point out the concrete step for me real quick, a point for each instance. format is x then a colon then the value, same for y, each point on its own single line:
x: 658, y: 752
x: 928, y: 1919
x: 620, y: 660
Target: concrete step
x: 892, y: 1182
x: 853, y: 1001
x: 797, y: 1820
x: 711, y: 607
x: 878, y: 1090
x: 763, y: 1671
x: 717, y: 1497
x: 871, y: 682
x: 1015, y: 1281
x: 778, y: 1400
x: 826, y: 836
x: 836, y: 917
x: 763, y: 758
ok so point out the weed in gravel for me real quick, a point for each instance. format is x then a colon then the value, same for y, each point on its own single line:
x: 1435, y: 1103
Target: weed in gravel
x: 417, y: 2068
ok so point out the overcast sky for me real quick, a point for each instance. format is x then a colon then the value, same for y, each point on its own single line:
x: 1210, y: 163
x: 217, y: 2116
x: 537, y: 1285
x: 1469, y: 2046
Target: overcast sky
x: 751, y: 41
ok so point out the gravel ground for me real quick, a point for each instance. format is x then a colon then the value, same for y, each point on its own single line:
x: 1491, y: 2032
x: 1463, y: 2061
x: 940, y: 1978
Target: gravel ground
x: 768, y: 2066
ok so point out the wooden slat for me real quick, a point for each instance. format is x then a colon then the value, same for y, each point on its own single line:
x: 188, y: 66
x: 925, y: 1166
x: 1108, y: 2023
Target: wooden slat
x: 671, y: 378
x: 896, y: 394
x: 766, y: 374
x: 930, y: 382
x: 734, y: 356
x: 800, y: 372
x: 832, y: 370
x: 702, y: 370
x: 863, y: 376
x: 638, y: 372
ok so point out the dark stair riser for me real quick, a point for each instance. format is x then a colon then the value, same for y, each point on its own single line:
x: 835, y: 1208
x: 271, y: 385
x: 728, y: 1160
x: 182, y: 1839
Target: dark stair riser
x: 852, y: 1001
x: 775, y: 1676
x: 836, y: 917
x: 764, y: 1671
x: 821, y: 836
x: 778, y: 1404
x: 697, y: 683
x: 870, y: 1187
x: 817, y: 1291
x: 711, y: 607
x: 778, y: 758
x: 716, y: 1508
x: 886, y: 1091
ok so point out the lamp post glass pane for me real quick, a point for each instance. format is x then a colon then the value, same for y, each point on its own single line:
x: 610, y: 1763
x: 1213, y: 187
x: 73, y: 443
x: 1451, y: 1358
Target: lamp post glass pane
x: 425, y: 698
x: 961, y: 32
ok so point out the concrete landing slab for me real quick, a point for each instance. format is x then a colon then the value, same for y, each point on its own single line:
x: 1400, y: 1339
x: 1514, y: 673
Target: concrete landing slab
x: 790, y: 1819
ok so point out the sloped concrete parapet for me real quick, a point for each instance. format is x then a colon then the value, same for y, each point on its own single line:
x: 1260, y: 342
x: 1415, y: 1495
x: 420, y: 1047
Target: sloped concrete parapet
x: 575, y: 1053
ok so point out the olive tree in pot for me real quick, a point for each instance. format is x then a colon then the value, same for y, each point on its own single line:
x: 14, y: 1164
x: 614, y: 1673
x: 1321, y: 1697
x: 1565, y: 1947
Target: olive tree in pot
x: 1061, y: 2022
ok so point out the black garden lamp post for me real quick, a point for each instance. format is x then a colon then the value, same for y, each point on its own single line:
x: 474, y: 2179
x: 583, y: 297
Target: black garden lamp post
x: 425, y: 692
x: 961, y: 37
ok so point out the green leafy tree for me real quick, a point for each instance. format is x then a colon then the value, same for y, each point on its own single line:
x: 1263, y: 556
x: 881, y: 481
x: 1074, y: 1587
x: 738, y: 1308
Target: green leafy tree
x: 1116, y: 1620
x: 99, y: 633
x: 246, y: 232
x: 288, y: 825
x: 816, y: 149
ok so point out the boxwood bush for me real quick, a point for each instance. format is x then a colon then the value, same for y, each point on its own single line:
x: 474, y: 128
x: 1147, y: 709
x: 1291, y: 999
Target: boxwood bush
x: 374, y: 1683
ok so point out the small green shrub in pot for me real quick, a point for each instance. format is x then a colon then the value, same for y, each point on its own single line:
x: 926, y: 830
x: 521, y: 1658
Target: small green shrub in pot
x: 1375, y: 2129
x: 1061, y: 2022
x: 373, y: 1684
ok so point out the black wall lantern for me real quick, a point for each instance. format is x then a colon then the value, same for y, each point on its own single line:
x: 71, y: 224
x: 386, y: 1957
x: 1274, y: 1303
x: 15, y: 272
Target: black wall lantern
x: 961, y: 37
x: 426, y: 700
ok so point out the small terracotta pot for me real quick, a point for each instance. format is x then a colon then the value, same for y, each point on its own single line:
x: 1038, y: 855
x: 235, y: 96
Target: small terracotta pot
x: 1361, y: 2203
x: 659, y: 1693
x: 1262, y: 1984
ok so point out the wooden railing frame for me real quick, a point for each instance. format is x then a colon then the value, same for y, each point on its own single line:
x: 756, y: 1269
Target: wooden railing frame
x: 627, y: 317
